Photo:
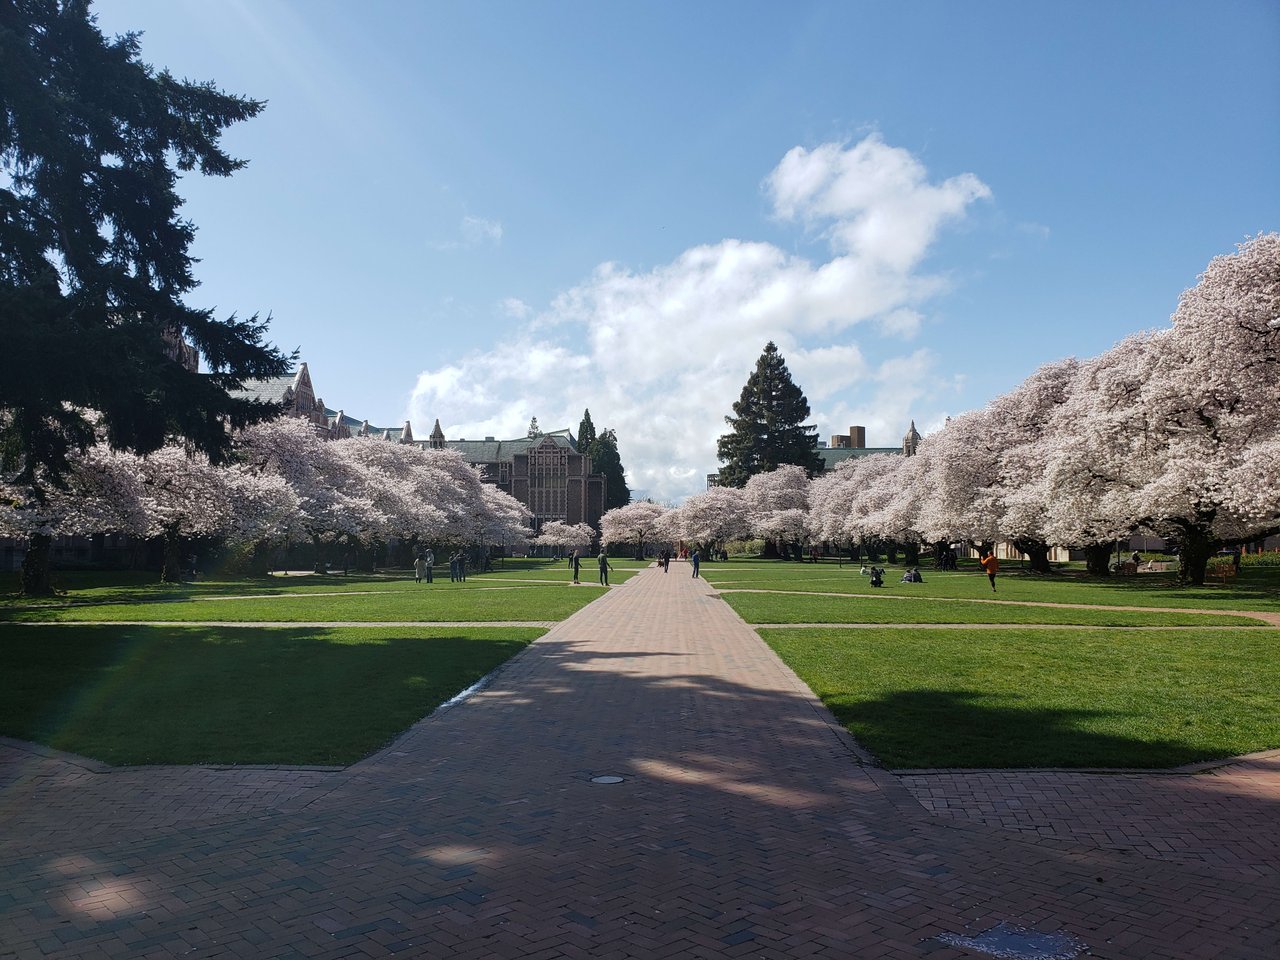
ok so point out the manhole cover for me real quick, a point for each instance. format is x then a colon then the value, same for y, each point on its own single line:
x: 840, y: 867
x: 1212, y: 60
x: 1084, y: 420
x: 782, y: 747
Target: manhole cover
x: 606, y: 779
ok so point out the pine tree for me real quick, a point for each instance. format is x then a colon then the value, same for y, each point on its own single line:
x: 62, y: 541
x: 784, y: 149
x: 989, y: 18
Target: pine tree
x: 607, y: 461
x: 586, y: 432
x: 768, y: 428
x: 94, y: 261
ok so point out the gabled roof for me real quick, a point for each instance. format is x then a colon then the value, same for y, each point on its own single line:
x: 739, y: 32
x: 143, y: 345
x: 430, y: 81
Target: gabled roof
x: 496, y: 451
x: 272, y: 390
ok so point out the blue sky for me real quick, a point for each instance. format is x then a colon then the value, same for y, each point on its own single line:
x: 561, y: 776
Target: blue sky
x: 485, y: 212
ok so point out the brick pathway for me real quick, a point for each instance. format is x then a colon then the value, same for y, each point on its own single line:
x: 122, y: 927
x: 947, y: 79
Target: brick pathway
x: 746, y: 825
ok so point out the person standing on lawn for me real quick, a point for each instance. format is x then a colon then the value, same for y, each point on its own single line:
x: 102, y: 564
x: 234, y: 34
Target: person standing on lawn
x: 419, y: 569
x: 604, y: 567
x: 991, y: 565
x: 429, y: 561
x: 576, y: 562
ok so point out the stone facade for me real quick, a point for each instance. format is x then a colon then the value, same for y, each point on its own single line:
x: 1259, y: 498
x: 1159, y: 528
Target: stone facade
x: 545, y: 472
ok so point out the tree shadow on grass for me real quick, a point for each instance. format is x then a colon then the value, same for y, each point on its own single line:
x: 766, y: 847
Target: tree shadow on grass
x: 914, y: 729
x: 151, y: 695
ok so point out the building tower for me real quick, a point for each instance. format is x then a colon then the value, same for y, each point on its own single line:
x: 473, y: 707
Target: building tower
x: 437, y: 437
x: 911, y: 441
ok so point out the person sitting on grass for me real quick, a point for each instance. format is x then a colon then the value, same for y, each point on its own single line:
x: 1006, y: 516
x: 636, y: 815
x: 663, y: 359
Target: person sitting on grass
x: 877, y: 577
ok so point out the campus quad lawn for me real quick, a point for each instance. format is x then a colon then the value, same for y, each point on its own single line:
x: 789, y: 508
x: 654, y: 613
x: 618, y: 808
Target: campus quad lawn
x: 435, y: 603
x: 129, y: 586
x: 1044, y: 698
x: 144, y: 695
x: 761, y: 608
x: 1257, y: 588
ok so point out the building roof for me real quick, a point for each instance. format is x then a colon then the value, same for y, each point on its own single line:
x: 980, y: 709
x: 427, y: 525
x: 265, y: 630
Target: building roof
x: 271, y: 390
x: 357, y: 428
x: 832, y: 457
x: 496, y: 451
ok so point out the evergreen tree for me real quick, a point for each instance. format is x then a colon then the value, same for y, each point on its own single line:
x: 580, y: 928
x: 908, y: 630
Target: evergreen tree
x: 606, y: 460
x: 768, y: 428
x: 94, y: 262
x: 586, y: 432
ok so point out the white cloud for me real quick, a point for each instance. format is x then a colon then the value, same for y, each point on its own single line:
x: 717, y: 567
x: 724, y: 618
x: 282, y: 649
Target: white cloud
x: 477, y: 230
x: 516, y: 308
x: 474, y: 232
x: 662, y: 354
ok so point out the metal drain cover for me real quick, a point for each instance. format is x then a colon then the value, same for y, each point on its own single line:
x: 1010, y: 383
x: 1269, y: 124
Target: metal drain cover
x: 608, y: 779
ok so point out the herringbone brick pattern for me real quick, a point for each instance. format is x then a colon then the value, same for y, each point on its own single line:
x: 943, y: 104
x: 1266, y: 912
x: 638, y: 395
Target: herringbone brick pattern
x: 746, y: 826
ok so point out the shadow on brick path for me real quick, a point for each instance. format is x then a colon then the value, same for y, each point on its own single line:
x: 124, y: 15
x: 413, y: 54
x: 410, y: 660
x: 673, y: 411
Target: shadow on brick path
x: 746, y: 824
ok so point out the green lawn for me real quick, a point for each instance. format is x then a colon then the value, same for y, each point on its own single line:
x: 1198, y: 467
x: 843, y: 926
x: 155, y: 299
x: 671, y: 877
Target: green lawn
x: 809, y: 608
x: 1044, y: 698
x: 1257, y: 588
x: 446, y: 602
x: 138, y: 587
x: 179, y: 694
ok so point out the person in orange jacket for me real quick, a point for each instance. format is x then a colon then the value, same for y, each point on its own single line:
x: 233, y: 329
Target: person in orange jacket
x: 991, y: 565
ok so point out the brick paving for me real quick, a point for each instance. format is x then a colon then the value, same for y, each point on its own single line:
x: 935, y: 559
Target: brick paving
x: 747, y: 825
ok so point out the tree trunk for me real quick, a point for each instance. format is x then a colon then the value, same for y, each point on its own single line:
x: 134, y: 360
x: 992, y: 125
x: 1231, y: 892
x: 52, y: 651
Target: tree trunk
x: 318, y: 566
x: 771, y: 550
x: 1037, y: 552
x: 1194, y: 552
x: 891, y: 552
x: 171, y: 571
x: 1097, y: 557
x: 35, y: 566
x: 911, y: 554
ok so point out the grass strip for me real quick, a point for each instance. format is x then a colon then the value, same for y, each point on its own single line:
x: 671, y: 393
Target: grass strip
x: 933, y: 698
x: 148, y: 695
x: 799, y: 608
x: 1256, y: 588
x: 437, y: 603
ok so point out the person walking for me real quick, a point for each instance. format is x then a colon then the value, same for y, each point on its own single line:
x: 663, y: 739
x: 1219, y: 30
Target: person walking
x: 991, y: 565
x: 604, y: 567
x: 576, y: 562
x: 419, y: 569
x: 453, y: 567
x: 429, y: 560
x: 696, y: 559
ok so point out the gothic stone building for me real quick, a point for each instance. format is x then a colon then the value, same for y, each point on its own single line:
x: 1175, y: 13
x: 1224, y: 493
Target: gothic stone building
x: 545, y: 472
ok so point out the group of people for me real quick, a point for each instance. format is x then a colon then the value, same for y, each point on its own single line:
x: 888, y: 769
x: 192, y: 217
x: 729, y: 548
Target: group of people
x: 424, y: 566
x: 602, y: 561
x: 988, y: 562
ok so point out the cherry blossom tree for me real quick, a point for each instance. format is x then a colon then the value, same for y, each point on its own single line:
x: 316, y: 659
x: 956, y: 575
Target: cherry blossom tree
x: 778, y: 504
x: 506, y: 519
x: 639, y: 523
x: 1161, y: 433
x: 888, y: 510
x: 402, y: 483
x: 1022, y: 419
x: 330, y: 508
x: 564, y: 536
x: 961, y: 497
x: 710, y: 519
